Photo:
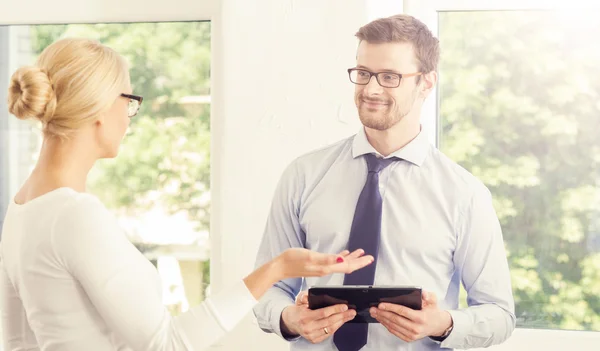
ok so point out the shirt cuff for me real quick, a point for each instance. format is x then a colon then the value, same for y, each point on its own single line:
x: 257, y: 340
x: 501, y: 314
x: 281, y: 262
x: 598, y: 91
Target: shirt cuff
x: 276, y: 320
x: 461, y: 324
x: 232, y: 305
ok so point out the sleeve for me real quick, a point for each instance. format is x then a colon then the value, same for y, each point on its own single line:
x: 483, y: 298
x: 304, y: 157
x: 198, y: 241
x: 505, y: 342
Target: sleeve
x: 16, y: 333
x: 481, y: 260
x: 124, y: 286
x: 282, y: 231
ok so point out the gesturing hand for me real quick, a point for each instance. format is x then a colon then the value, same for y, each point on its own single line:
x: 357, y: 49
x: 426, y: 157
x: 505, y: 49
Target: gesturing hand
x: 299, y: 262
x: 411, y: 325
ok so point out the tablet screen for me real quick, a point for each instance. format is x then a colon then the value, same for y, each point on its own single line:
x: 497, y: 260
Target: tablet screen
x: 362, y: 298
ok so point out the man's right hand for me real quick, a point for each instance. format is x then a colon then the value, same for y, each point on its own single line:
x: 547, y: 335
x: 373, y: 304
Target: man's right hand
x: 314, y: 325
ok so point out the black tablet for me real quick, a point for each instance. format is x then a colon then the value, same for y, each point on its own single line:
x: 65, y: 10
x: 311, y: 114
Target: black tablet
x: 362, y: 298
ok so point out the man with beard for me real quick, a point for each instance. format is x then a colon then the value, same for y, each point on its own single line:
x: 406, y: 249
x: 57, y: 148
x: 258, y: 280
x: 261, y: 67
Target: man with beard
x: 427, y: 221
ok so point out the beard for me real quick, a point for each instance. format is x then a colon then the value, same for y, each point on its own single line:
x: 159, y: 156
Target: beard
x: 386, y: 114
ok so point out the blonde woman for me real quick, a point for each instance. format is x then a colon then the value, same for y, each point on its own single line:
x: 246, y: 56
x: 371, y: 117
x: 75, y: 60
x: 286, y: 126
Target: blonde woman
x: 69, y: 278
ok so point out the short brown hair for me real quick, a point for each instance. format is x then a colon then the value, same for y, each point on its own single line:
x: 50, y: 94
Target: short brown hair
x: 404, y: 28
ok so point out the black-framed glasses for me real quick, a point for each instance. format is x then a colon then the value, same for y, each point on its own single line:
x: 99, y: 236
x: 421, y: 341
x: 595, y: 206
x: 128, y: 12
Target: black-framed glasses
x: 385, y: 79
x: 135, y: 102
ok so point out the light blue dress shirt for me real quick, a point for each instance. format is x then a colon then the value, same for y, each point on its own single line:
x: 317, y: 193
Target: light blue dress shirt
x: 439, y: 229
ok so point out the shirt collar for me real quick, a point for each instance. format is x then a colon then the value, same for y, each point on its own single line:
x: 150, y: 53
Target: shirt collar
x: 414, y: 152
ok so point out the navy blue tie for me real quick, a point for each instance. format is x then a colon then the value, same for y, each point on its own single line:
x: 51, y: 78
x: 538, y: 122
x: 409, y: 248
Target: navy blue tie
x: 364, y: 234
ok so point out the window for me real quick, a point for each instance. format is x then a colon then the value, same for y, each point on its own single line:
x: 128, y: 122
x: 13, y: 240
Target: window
x: 517, y: 105
x: 158, y: 186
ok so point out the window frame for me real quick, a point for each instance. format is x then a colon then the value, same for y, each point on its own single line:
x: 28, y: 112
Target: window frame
x: 134, y: 11
x: 427, y: 11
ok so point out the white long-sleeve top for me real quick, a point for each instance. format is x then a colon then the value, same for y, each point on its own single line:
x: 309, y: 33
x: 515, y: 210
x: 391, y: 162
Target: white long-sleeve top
x: 70, y: 280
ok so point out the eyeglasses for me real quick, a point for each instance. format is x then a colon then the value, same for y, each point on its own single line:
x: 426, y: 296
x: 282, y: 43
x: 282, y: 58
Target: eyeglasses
x: 385, y: 79
x: 134, y: 104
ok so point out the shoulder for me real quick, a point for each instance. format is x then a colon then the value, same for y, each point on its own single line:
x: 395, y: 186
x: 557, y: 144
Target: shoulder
x: 456, y: 176
x: 322, y: 156
x: 83, y: 215
x: 83, y: 207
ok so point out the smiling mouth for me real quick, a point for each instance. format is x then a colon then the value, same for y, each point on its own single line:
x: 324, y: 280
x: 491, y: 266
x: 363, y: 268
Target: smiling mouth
x: 374, y: 104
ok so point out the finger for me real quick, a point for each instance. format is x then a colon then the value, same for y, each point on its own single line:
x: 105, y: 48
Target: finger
x: 335, y: 318
x: 325, y: 312
x: 302, y: 298
x: 321, y: 259
x: 403, y: 311
x: 429, y: 298
x: 344, y: 253
x: 401, y: 325
x: 359, y: 263
x: 393, y: 318
x: 356, y: 253
x: 346, y: 317
x: 323, y: 264
x: 315, y: 330
x: 391, y: 328
x: 335, y: 322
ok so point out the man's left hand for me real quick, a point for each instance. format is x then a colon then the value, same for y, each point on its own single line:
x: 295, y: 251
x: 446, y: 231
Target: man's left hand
x: 411, y: 325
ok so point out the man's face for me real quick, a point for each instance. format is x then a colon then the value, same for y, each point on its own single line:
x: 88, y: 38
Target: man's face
x: 381, y: 107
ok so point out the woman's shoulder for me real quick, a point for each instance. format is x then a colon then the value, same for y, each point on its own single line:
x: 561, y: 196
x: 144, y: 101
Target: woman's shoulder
x: 81, y: 213
x: 83, y: 207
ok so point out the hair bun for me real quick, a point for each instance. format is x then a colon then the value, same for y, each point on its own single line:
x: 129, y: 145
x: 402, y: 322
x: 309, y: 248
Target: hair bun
x: 31, y: 95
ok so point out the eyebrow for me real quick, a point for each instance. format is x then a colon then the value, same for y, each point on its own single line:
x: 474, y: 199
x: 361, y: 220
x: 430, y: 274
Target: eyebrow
x: 384, y: 70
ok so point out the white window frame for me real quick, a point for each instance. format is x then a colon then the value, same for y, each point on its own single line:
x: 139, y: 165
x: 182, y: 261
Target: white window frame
x: 115, y: 11
x: 427, y: 11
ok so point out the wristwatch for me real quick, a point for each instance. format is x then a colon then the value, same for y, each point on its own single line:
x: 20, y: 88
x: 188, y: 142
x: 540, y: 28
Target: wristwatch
x: 447, y: 331
x: 445, y: 335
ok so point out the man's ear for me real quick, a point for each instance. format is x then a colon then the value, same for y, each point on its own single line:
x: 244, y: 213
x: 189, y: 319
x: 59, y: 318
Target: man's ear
x: 428, y: 82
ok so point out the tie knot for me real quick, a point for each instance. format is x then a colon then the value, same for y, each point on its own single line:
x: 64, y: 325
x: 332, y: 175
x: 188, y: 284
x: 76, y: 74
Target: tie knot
x: 376, y: 164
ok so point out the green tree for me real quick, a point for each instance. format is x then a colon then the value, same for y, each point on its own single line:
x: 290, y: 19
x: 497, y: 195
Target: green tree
x: 519, y: 94
x: 165, y: 157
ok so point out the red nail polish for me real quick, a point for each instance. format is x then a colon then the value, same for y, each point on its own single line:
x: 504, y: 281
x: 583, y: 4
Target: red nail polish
x: 340, y: 260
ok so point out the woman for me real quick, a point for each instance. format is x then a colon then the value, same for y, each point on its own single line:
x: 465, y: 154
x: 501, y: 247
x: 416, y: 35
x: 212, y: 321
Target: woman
x: 70, y: 280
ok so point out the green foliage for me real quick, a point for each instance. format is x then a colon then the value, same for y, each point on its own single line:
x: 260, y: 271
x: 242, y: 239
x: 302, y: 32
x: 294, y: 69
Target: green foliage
x: 519, y: 96
x: 164, y: 159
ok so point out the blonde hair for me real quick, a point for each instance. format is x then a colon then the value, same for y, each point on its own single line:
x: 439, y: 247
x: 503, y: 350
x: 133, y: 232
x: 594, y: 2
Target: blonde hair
x: 71, y: 84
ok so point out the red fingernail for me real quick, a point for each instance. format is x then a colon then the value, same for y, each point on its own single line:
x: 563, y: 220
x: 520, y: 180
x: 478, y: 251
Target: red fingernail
x: 340, y: 260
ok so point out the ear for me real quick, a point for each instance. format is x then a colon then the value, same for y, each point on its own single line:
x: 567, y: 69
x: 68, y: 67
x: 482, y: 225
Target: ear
x: 100, y: 120
x: 428, y: 82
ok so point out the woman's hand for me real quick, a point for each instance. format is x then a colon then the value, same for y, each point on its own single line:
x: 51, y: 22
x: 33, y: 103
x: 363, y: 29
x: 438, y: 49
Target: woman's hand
x: 300, y: 262
x: 297, y: 263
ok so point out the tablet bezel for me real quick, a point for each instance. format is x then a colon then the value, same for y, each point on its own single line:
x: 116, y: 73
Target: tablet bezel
x: 362, y: 297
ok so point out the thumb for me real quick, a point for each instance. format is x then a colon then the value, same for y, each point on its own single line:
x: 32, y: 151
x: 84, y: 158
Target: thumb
x: 429, y: 298
x: 302, y: 298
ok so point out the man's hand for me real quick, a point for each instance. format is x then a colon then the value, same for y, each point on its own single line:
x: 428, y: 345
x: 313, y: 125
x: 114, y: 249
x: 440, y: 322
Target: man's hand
x: 314, y: 325
x: 411, y: 325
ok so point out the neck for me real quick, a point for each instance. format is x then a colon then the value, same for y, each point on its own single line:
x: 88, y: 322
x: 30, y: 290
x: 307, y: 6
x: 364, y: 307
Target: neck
x: 395, y: 138
x: 63, y: 163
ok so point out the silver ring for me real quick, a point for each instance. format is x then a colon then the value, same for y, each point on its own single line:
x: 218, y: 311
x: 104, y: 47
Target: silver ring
x: 325, y: 330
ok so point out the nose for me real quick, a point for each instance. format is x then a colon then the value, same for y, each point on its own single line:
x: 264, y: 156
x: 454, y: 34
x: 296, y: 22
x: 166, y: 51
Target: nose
x: 373, y: 87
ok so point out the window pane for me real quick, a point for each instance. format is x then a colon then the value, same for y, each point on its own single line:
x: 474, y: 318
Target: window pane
x: 158, y: 186
x: 520, y: 108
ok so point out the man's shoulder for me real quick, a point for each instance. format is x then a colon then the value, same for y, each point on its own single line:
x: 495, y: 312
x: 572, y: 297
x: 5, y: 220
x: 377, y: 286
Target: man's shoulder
x: 321, y: 155
x: 459, y: 177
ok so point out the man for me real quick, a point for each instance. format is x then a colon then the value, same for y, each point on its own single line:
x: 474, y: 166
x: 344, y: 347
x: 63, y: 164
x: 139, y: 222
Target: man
x: 427, y: 221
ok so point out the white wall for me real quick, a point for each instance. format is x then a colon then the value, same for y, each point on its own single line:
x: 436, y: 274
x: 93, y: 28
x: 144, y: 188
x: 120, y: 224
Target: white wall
x: 295, y: 96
